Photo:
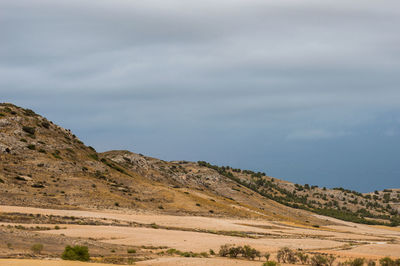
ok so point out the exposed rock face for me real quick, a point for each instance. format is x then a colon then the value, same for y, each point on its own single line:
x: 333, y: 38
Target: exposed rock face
x: 132, y: 159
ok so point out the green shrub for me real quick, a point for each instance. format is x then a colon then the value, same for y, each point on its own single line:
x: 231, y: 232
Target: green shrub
x: 250, y: 253
x: 29, y: 112
x: 77, y: 252
x: 29, y: 130
x: 356, y: 262
x: 302, y: 257
x: 234, y: 251
x: 131, y: 250
x: 319, y: 260
x: 270, y: 263
x: 45, y: 124
x: 224, y: 250
x: 37, y: 248
x: 31, y: 147
x: 386, y: 261
x: 286, y: 255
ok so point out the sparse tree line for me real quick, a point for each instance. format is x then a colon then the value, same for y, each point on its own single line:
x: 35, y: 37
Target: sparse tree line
x: 284, y: 255
x: 288, y: 256
x: 269, y: 189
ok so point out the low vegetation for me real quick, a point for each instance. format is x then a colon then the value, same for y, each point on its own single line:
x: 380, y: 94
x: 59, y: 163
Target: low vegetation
x: 354, y: 206
x: 233, y: 251
x: 80, y: 253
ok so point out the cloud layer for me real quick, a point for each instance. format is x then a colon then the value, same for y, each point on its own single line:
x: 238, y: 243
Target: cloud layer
x: 251, y: 83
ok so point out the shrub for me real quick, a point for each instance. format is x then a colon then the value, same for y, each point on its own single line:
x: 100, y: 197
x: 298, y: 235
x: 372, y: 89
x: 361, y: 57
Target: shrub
x: 286, y: 255
x: 77, y: 252
x: 37, y: 248
x: 224, y: 250
x: 267, y: 255
x: 356, y: 262
x: 31, y: 147
x: 131, y: 250
x: 270, y: 263
x: 302, y: 257
x: 45, y: 124
x: 386, y: 261
x: 235, y: 251
x: 29, y: 112
x: 250, y: 253
x: 29, y: 130
x: 319, y: 260
x: 212, y: 252
x: 330, y: 259
x: 371, y: 263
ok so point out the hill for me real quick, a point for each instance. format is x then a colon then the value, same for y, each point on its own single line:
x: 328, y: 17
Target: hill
x: 45, y: 165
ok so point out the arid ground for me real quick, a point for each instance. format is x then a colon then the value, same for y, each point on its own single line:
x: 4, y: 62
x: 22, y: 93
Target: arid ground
x: 109, y: 234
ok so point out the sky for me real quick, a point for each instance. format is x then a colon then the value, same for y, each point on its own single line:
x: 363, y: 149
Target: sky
x: 304, y: 90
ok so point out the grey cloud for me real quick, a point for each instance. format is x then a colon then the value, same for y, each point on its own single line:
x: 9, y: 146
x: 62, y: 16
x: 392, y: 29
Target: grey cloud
x: 264, y: 70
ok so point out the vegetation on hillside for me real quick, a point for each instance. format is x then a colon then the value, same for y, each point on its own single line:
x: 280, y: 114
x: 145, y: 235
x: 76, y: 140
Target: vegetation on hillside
x: 364, y: 208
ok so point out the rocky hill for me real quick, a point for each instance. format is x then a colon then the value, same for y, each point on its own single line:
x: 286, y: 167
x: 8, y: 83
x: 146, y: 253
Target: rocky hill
x: 45, y: 165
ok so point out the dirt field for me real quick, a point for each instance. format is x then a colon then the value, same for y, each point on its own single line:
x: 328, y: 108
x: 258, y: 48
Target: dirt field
x: 151, y: 235
x: 25, y: 262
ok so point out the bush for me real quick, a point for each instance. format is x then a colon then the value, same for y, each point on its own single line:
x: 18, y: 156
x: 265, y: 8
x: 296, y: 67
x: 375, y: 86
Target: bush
x: 356, y: 262
x: 250, y: 253
x: 270, y: 263
x: 286, y: 255
x: 45, y: 124
x: 131, y: 250
x: 224, y: 250
x: 80, y: 253
x: 302, y: 257
x: 31, y: 147
x: 319, y: 260
x: 233, y: 251
x: 37, y: 248
x: 386, y: 261
x: 29, y: 130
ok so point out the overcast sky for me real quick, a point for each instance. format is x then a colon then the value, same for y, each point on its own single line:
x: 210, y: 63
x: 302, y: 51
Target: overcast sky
x: 307, y: 91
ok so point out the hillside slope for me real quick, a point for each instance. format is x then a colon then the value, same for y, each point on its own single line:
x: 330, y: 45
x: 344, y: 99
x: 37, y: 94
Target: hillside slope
x: 45, y: 165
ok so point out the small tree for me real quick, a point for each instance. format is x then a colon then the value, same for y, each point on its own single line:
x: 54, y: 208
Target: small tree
x: 286, y: 255
x: 235, y: 251
x: 224, y: 250
x: 356, y: 262
x: 302, y: 257
x: 386, y: 261
x: 319, y: 260
x: 267, y: 256
x: 37, y: 248
x: 330, y: 259
x: 250, y: 253
x: 80, y: 253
